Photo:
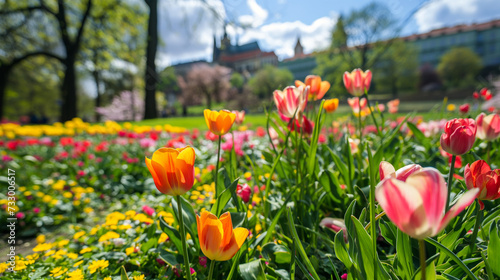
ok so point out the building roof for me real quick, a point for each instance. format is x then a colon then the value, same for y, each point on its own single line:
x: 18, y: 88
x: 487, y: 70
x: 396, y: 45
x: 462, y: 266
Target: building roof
x: 248, y: 47
x: 454, y: 29
x: 225, y: 57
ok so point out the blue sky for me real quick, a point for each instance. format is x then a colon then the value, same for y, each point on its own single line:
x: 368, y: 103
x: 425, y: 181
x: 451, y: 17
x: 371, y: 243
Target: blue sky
x: 187, y: 27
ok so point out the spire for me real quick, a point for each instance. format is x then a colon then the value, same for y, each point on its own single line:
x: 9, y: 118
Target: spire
x: 215, y: 51
x: 299, y: 50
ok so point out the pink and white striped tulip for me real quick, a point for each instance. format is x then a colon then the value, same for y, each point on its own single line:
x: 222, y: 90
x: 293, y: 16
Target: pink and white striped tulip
x: 488, y: 126
x: 357, y: 82
x: 357, y: 104
x: 416, y: 206
x: 240, y: 116
x: 387, y: 170
x: 292, y: 100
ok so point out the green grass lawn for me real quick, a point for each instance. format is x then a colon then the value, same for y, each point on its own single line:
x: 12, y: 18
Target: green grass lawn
x: 427, y: 109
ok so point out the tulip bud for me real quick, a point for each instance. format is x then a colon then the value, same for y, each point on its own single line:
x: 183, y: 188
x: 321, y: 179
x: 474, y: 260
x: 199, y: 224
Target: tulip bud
x: 459, y: 136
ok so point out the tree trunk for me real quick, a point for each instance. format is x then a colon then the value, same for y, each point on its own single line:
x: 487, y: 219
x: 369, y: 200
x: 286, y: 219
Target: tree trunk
x: 151, y: 76
x: 69, y: 110
x: 95, y: 73
x: 4, y: 74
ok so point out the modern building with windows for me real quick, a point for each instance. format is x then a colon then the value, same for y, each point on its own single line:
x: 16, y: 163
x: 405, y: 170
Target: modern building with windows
x: 482, y: 38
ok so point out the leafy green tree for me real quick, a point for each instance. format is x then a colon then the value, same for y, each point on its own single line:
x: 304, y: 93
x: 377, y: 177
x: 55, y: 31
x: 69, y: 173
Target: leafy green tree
x: 237, y: 81
x: 459, y: 67
x: 115, y: 28
x: 168, y: 81
x: 71, y: 18
x: 268, y: 79
x: 397, y: 69
x: 21, y: 31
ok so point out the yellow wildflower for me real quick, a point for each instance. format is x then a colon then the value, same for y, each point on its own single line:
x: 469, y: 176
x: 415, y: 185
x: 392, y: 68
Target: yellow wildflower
x: 99, y: 264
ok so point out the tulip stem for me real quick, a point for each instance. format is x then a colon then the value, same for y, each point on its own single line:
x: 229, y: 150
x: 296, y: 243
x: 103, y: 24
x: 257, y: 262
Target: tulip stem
x: 217, y: 172
x: 211, y: 272
x: 450, y: 178
x: 183, y: 236
x: 479, y: 220
x: 421, y: 246
x: 379, y: 132
x: 488, y: 152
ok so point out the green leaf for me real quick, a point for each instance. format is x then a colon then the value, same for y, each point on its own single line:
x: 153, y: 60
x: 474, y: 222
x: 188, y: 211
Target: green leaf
x: 341, y: 167
x: 404, y: 255
x: 277, y: 253
x: 341, y: 250
x: 430, y: 272
x: 388, y: 231
x: 224, y: 198
x: 312, y: 159
x: 123, y: 274
x: 299, y: 247
x: 238, y: 218
x: 172, y: 233
x: 494, y: 249
x: 188, y: 216
x: 150, y: 244
x: 365, y: 253
x: 252, y: 271
x: 169, y: 258
x: 331, y: 184
x: 418, y: 134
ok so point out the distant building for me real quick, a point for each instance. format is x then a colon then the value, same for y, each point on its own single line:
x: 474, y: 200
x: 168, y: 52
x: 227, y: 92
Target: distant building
x: 247, y: 58
x: 300, y: 64
x: 182, y: 69
x: 482, y: 38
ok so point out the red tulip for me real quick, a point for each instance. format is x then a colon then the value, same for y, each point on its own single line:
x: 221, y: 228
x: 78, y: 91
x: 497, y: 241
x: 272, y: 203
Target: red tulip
x: 459, y: 136
x: 417, y: 206
x: 357, y: 82
x: 464, y: 109
x: 479, y: 175
x: 488, y: 126
x: 475, y: 95
x: 244, y: 191
x: 291, y: 101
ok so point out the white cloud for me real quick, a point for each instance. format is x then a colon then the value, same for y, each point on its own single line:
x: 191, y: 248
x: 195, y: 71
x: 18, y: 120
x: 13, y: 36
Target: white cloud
x: 258, y: 17
x: 442, y: 13
x: 282, y: 36
x: 186, y: 29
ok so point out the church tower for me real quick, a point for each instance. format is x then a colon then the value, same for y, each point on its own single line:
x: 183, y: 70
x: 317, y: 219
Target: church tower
x: 299, y: 50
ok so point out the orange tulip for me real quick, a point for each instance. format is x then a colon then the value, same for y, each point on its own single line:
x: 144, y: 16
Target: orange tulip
x: 218, y: 240
x: 331, y: 105
x: 317, y: 88
x: 219, y: 123
x: 172, y: 170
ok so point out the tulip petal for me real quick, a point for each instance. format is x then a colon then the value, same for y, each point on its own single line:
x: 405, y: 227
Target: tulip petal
x: 227, y: 225
x: 403, y: 205
x: 466, y: 200
x: 325, y: 86
x: 237, y: 239
x: 299, y: 83
x: 403, y: 173
x: 212, y: 234
x: 163, y: 162
x: 386, y: 169
x: 184, y: 170
x: 432, y: 189
x: 155, y: 177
